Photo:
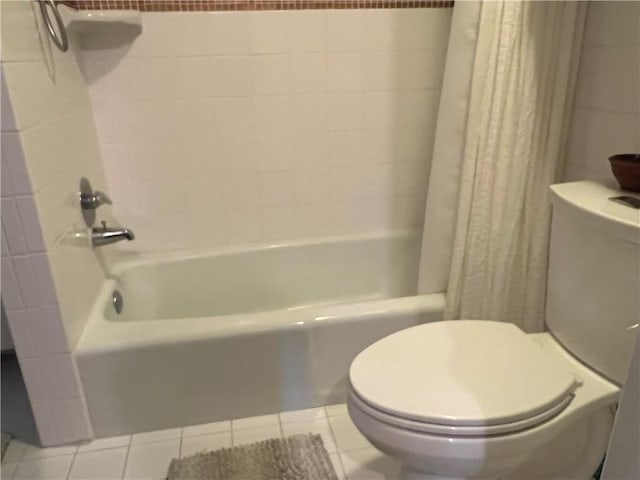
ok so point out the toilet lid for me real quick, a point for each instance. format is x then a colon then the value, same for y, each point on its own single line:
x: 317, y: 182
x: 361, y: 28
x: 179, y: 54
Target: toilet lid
x: 461, y: 372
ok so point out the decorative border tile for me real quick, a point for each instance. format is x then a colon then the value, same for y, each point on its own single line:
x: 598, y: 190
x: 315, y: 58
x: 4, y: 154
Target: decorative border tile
x: 225, y: 5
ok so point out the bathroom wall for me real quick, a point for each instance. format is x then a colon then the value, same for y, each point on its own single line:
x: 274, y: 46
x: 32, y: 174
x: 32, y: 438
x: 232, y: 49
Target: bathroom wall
x: 50, y: 275
x: 220, y: 128
x: 606, y: 115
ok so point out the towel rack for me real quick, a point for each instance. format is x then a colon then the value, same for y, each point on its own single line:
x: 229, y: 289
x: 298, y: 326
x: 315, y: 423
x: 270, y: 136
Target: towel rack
x: 61, y: 41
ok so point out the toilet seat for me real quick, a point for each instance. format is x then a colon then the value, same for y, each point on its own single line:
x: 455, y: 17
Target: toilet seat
x: 437, y: 381
x: 459, y: 430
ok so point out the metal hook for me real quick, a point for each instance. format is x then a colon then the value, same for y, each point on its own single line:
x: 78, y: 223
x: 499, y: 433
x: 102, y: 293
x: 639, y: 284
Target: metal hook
x: 63, y: 42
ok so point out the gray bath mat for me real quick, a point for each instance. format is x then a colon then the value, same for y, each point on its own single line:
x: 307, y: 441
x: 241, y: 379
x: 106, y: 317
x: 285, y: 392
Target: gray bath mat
x: 299, y: 457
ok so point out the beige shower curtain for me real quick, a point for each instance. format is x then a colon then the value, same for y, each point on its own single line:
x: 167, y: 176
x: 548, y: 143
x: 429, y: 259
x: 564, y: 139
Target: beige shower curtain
x: 519, y: 101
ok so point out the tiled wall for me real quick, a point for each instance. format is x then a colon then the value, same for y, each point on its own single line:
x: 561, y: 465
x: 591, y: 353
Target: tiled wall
x: 232, y: 127
x: 244, y: 5
x: 606, y: 116
x: 48, y: 143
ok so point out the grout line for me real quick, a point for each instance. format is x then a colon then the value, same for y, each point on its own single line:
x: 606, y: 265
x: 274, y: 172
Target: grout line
x: 338, y: 449
x: 73, y: 461
x: 126, y: 457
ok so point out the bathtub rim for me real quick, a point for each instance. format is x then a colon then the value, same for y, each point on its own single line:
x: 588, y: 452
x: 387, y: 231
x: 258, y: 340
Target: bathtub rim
x: 124, y: 260
x: 102, y: 335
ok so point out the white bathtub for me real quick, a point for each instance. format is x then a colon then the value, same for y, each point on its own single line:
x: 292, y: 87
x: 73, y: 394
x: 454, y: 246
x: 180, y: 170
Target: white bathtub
x: 238, y: 333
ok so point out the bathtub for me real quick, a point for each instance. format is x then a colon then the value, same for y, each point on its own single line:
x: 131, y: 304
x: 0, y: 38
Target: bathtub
x: 242, y: 332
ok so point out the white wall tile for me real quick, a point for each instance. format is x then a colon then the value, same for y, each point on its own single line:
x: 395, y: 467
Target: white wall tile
x: 274, y: 152
x: 420, y: 28
x: 234, y: 117
x: 606, y: 114
x: 380, y: 30
x: 71, y: 420
x: 310, y: 149
x: 235, y: 155
x: 7, y: 120
x: 232, y: 77
x: 12, y: 227
x: 228, y: 33
x: 346, y: 147
x: 34, y: 379
x: 596, y: 135
x: 52, y: 142
x: 14, y: 168
x: 345, y: 71
x: 192, y: 77
x: 276, y: 188
x: 20, y: 40
x: 307, y: 30
x: 609, y: 78
x: 287, y: 94
x: 59, y: 376
x: 309, y: 113
x: 421, y: 68
x: 612, y: 23
x: 270, y: 74
x: 11, y: 296
x: 30, y: 221
x: 39, y: 95
x: 244, y: 226
x: 272, y: 115
x: 381, y: 109
x: 20, y: 332
x: 268, y: 32
x: 278, y: 223
x: 345, y: 111
x: 150, y: 79
x: 308, y: 72
x: 382, y: 70
x: 46, y: 330
x: 43, y: 416
x: 345, y: 30
x: 35, y: 281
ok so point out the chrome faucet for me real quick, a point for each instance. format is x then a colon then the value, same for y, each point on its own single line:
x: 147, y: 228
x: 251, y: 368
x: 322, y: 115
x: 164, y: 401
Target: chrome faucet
x: 104, y: 236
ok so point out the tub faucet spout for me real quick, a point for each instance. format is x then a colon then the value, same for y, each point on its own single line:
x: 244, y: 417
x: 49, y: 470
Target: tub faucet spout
x: 104, y: 236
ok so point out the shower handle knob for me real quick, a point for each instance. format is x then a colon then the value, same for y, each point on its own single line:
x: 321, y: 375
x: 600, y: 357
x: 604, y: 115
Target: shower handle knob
x: 91, y: 201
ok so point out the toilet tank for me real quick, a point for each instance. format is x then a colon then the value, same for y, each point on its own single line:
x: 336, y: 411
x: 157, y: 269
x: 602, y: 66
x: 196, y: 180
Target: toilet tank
x: 593, y: 291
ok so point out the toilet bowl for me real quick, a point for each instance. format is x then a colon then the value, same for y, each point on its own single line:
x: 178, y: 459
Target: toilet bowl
x: 470, y: 399
x: 468, y: 438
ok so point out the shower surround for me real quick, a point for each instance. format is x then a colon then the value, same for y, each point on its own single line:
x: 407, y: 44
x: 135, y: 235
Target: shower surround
x: 226, y: 128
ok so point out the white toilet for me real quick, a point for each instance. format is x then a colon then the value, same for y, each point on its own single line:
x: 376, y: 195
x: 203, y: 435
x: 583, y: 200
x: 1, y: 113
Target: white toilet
x: 481, y: 399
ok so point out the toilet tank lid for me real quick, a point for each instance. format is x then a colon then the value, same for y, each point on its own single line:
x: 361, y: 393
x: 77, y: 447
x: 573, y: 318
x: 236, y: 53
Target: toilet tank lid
x: 461, y: 372
x: 589, y: 202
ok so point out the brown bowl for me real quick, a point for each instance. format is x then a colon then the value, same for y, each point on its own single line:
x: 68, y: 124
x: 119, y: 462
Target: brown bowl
x: 626, y: 169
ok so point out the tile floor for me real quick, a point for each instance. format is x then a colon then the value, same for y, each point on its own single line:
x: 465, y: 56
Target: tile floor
x: 146, y: 456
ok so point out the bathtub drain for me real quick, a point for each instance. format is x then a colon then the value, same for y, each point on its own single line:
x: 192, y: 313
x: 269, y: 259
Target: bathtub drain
x: 118, y: 302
